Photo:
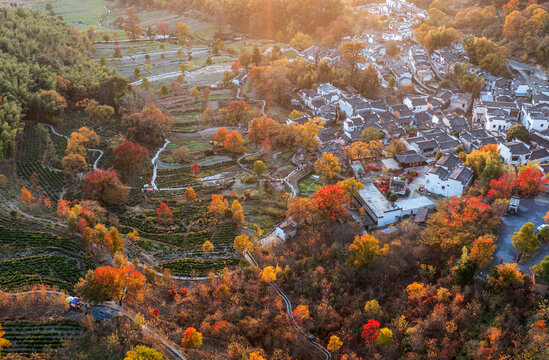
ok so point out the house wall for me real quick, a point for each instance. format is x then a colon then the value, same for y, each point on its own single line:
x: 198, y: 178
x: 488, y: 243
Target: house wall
x: 280, y: 233
x: 389, y: 218
x: 508, y: 158
x: 497, y: 125
x: 444, y: 188
x: 534, y: 124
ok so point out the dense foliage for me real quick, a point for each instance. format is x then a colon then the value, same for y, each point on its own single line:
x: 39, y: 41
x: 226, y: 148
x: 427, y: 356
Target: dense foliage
x: 263, y: 18
x: 45, y: 68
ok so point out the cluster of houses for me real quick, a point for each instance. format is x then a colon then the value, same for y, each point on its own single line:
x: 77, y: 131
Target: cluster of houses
x: 430, y: 125
x: 434, y: 123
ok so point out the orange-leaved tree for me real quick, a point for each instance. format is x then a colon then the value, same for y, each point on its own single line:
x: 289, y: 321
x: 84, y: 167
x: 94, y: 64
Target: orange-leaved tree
x: 192, y: 338
x: 26, y: 199
x: 233, y: 142
x: 459, y: 222
x: 111, y: 283
x: 301, y: 209
x: 219, y: 205
x: 331, y: 200
x: 482, y: 251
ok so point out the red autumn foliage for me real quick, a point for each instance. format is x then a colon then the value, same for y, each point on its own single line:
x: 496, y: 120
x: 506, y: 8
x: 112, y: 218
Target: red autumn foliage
x: 105, y: 185
x: 502, y: 188
x: 63, y: 207
x: 382, y: 185
x: 130, y: 159
x: 370, y: 330
x: 163, y: 214
x: 531, y: 181
x: 154, y: 312
x: 147, y: 127
x: 195, y: 169
x: 332, y: 200
x: 163, y: 29
x: 236, y: 67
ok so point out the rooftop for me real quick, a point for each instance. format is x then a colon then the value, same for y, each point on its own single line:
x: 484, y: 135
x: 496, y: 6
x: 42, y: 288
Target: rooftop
x: 375, y: 200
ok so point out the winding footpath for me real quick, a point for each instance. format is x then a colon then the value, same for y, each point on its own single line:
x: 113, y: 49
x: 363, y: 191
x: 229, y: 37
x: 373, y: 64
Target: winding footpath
x: 155, y: 165
x: 101, y: 152
x: 289, y: 308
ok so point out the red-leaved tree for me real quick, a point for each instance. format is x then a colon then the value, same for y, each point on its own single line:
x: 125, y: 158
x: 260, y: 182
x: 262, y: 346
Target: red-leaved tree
x: 130, y: 159
x: 530, y: 182
x: 163, y: 214
x: 105, y: 185
x: 370, y: 330
x: 503, y: 187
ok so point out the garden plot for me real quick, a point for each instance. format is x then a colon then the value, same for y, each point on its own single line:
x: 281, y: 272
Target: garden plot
x: 35, y: 337
x: 30, y: 258
x: 309, y: 185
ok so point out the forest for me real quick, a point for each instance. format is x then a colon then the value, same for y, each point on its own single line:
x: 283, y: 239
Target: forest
x: 47, y: 75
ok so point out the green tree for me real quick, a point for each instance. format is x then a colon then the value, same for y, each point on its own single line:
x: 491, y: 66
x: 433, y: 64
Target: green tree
x: 371, y: 133
x: 526, y: 240
x: 301, y: 41
x: 518, y: 132
x: 259, y: 168
x: 542, y: 269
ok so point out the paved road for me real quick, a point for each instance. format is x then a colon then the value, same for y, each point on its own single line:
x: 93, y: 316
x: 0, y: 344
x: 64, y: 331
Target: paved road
x: 530, y: 211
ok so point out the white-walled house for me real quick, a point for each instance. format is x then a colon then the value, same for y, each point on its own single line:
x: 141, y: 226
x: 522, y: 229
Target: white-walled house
x: 448, y: 177
x: 416, y: 104
x: 514, y: 152
x: 286, y: 230
x: 535, y: 117
x: 381, y: 212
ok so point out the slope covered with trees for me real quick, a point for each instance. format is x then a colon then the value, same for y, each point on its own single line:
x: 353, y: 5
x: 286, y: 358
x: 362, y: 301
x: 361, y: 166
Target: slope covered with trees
x: 46, y: 69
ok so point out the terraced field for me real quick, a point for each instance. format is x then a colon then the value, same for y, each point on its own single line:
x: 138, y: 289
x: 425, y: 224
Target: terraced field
x: 30, y: 160
x: 29, y: 258
x: 36, y: 337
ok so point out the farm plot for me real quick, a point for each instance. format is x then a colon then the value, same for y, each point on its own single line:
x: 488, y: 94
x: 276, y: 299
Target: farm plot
x: 170, y: 178
x: 35, y: 337
x: 29, y: 258
x: 309, y: 185
x: 30, y: 157
x: 200, y: 267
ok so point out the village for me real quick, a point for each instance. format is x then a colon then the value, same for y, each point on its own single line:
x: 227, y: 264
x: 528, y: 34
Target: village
x: 220, y: 179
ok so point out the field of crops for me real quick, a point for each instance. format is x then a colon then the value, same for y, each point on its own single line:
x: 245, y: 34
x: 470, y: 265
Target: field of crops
x: 29, y: 258
x: 30, y: 156
x: 200, y: 267
x: 168, y: 178
x: 32, y: 337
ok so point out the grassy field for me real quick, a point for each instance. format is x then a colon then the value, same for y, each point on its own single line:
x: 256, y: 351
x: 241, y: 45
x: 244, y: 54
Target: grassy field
x: 308, y: 186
